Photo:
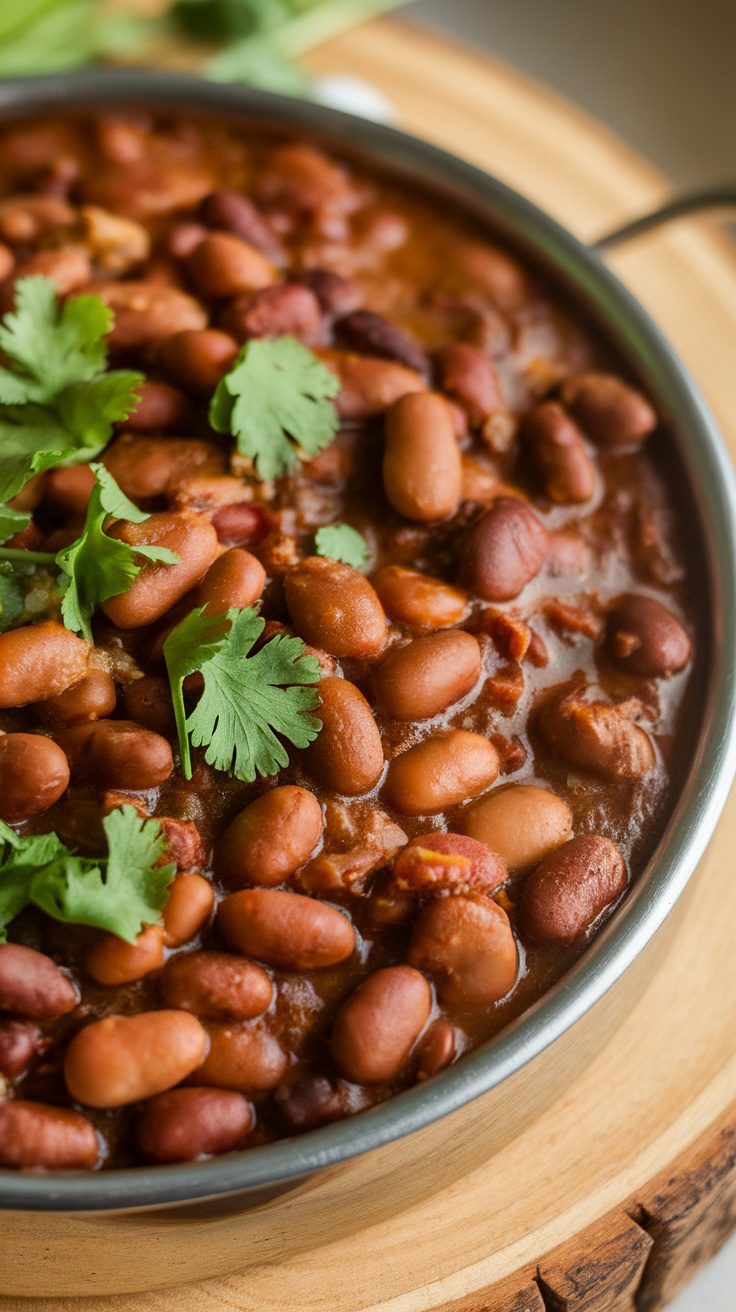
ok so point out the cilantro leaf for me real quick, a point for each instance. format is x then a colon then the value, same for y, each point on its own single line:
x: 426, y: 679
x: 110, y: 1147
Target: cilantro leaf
x: 121, y: 892
x: 342, y: 542
x: 53, y: 347
x: 12, y: 601
x: 12, y: 521
x: 248, y: 699
x: 98, y: 566
x: 276, y: 403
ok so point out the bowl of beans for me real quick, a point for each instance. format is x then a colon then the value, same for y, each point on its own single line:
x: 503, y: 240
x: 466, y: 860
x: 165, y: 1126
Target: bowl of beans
x: 366, y: 644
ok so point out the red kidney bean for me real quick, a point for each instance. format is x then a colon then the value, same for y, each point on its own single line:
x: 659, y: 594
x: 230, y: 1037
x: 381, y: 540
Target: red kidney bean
x: 33, y: 1136
x: 147, y: 467
x: 286, y: 309
x: 644, y: 636
x: 571, y: 888
x: 243, y: 1057
x: 347, y: 754
x: 467, y: 375
x: 611, y: 412
x: 315, y: 1101
x: 117, y: 754
x: 184, y: 1125
x: 371, y: 334
x: 377, y: 1027
x: 333, y: 606
x: 244, y: 522
x: 190, y: 905
x: 216, y: 985
x: 336, y: 295
x: 147, y: 312
x: 468, y: 945
x: 440, y: 772
x: 160, y: 406
x: 417, y: 600
x: 595, y: 736
x: 558, y: 452
x: 67, y: 490
x: 271, y: 838
x: 447, y: 863
x: 422, y: 470
x: 426, y: 676
x: 368, y: 386
x: 34, y: 773
x: 32, y: 985
x: 39, y: 661
x: 124, y: 1059
x: 112, y: 961
x: 196, y: 359
x: 224, y: 265
x: 19, y: 1043
x: 235, y: 213
x: 158, y: 586
x: 286, y: 930
x: 436, y: 1049
x: 92, y: 698
x: 148, y: 702
x: 504, y: 550
x: 235, y: 579
x: 521, y: 822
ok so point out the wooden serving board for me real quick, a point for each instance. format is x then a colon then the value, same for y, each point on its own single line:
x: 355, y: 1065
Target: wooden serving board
x: 613, y: 1197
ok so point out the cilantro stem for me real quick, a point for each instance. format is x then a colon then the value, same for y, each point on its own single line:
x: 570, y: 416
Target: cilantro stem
x: 320, y: 22
x: 27, y: 557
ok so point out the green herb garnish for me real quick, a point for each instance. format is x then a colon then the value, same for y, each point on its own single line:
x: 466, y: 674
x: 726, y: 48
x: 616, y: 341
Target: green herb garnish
x: 342, y: 542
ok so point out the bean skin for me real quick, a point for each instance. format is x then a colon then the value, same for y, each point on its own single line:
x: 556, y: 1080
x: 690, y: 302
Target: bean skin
x: 224, y: 265
x: 333, y: 606
x: 39, y: 661
x: 447, y: 863
x: 377, y: 1027
x: 595, y: 736
x: 112, y: 961
x: 422, y: 469
x: 557, y: 449
x: 190, y: 905
x: 36, y: 1136
x: 117, y: 754
x: 67, y: 490
x: 32, y: 985
x: 504, y: 550
x: 287, y: 930
x: 184, y: 1125
x: 231, y: 210
x: 158, y: 587
x: 271, y: 838
x: 146, y: 313
x: 521, y: 822
x: 417, y: 600
x: 440, y: 772
x: 124, y: 1059
x: 571, y: 888
x: 610, y: 412
x: 235, y: 579
x: 468, y: 945
x: 92, y: 698
x: 197, y: 358
x: 347, y: 754
x: 644, y: 636
x: 368, y: 386
x: 19, y: 1043
x: 34, y: 773
x: 423, y: 678
x: 147, y: 467
x: 284, y: 310
x: 437, y: 1049
x: 243, y: 1057
x: 371, y: 334
x: 216, y: 985
x: 160, y: 407
x: 468, y: 376
x: 148, y: 702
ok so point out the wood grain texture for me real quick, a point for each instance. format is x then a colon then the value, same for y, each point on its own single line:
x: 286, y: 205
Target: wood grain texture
x: 610, y: 1199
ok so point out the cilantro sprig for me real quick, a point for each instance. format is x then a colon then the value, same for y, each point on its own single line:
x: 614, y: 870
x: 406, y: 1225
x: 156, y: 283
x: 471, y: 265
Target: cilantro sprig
x: 276, y: 403
x: 342, y: 542
x: 251, y: 700
x: 120, y: 892
x: 58, y: 403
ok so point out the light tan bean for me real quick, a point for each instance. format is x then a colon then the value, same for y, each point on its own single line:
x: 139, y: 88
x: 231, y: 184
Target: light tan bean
x: 271, y: 838
x: 377, y: 1027
x: 347, y: 754
x: 39, y: 661
x: 422, y: 471
x: 190, y: 905
x: 243, y: 1057
x: 224, y: 265
x: 237, y: 578
x: 521, y: 822
x: 427, y: 675
x: 285, y: 929
x: 440, y: 772
x: 417, y: 600
x: 158, y: 586
x: 468, y: 945
x: 124, y: 1059
x: 112, y: 961
x: 333, y: 606
x: 147, y: 312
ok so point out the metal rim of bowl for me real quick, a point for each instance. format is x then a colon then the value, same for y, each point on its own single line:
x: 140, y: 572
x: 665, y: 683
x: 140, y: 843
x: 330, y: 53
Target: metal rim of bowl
x: 704, y: 791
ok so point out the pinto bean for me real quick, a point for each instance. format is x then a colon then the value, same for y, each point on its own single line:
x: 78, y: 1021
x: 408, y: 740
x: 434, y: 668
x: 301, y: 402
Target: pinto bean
x: 371, y: 334
x: 67, y: 490
x: 225, y: 265
x: 34, y: 773
x: 186, y: 1124
x: 467, y: 375
x: 158, y: 586
x: 236, y: 578
x: 216, y: 985
x: 558, y: 452
x: 117, y: 754
x: 595, y: 736
x: 124, y: 1059
x: 39, y: 661
x: 92, y: 698
x: 426, y: 676
x: 243, y: 1057
x: 504, y: 550
x: 468, y: 945
x: 160, y: 406
x: 19, y: 1043
x: 377, y: 1027
x: 147, y: 467
x: 190, y: 905
x: 447, y: 863
x: 112, y: 961
x: 521, y: 822
x: 368, y: 386
x: 610, y: 412
x: 196, y: 359
x: 271, y: 838
x: 347, y: 754
x: 571, y: 888
x: 418, y: 600
x: 644, y: 636
x: 231, y: 210
x: 440, y: 772
x: 286, y: 309
x: 333, y: 606
x: 32, y: 985
x: 34, y: 1135
x: 287, y: 930
x: 422, y: 470
x: 147, y: 312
